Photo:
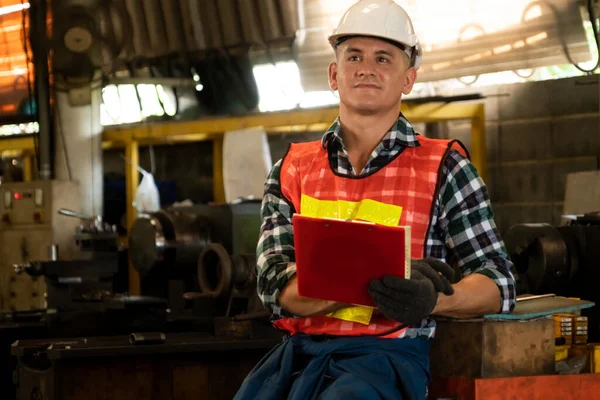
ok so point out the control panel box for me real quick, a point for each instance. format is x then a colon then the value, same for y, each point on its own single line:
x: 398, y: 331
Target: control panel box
x: 29, y: 226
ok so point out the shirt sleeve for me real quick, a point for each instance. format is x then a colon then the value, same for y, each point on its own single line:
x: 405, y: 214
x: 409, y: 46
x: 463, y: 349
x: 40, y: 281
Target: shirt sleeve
x: 275, y: 249
x: 470, y: 232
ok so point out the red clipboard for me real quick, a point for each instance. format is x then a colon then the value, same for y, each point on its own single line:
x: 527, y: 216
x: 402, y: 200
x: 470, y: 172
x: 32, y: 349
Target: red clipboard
x: 336, y: 259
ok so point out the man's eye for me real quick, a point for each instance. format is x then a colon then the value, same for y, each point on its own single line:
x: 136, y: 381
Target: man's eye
x: 353, y: 58
x: 383, y: 60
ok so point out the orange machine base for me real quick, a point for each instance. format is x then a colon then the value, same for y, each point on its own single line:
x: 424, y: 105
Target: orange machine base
x: 582, y: 386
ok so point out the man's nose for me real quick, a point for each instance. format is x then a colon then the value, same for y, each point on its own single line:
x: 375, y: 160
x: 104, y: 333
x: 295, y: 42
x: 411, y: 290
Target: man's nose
x: 366, y: 69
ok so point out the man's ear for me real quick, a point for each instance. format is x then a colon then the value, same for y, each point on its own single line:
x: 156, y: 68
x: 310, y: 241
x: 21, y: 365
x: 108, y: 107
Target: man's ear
x: 410, y: 77
x: 333, y: 83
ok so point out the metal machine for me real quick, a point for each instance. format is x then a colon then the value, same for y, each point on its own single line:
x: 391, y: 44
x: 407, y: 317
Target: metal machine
x: 196, y: 263
x: 559, y: 259
x: 29, y: 226
x: 86, y: 295
x: 198, y: 293
x: 54, y: 269
x: 199, y: 262
x: 201, y: 258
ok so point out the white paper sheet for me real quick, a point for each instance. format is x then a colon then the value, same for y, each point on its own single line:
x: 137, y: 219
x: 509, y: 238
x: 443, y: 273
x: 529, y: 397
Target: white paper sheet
x: 246, y: 163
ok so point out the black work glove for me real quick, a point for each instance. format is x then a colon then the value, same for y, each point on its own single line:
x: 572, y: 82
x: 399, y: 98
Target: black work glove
x: 410, y: 300
x: 441, y: 274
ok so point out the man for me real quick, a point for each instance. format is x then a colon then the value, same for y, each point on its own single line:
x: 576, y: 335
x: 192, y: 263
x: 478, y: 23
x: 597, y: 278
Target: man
x: 372, y: 152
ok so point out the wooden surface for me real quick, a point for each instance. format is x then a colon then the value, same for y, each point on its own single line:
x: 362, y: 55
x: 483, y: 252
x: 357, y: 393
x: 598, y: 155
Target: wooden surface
x: 185, y: 366
x: 195, y: 376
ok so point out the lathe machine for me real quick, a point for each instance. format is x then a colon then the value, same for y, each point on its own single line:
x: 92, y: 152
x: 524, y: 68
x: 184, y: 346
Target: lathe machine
x: 198, y: 312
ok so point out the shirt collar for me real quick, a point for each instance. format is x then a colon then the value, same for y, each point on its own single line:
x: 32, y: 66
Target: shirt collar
x: 401, y: 133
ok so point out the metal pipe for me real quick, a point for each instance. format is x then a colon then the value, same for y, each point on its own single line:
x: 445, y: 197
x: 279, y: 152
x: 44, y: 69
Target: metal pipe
x: 53, y: 252
x: 75, y: 214
x: 179, y: 82
x: 39, y: 49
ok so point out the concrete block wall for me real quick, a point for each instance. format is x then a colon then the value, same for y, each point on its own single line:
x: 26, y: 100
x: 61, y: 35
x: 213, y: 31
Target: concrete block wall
x: 537, y: 133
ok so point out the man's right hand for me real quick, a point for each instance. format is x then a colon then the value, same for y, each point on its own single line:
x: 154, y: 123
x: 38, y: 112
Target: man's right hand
x: 410, y: 300
x: 300, y: 306
x: 441, y: 274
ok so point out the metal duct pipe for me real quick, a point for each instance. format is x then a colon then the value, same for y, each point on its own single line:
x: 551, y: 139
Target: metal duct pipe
x: 172, y: 82
x: 39, y: 49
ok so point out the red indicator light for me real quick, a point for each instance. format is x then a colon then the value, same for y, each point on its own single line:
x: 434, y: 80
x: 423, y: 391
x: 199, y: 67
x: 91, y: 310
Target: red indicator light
x: 17, y: 196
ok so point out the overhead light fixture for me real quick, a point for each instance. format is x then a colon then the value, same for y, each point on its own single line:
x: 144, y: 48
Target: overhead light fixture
x: 11, y: 59
x: 11, y: 28
x: 13, y: 72
x: 13, y: 9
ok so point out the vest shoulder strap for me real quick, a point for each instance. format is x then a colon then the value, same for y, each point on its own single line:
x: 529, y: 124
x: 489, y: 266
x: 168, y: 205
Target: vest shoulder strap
x: 454, y: 144
x: 289, y: 176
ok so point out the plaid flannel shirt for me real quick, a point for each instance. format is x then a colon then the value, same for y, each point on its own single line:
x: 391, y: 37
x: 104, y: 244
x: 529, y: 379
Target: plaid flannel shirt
x: 463, y: 231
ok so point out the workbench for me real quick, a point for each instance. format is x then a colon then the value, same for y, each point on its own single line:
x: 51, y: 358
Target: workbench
x: 183, y: 366
x: 10, y: 331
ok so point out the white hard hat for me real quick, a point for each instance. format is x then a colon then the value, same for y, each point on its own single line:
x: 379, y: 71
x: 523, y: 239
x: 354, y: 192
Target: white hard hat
x: 382, y: 19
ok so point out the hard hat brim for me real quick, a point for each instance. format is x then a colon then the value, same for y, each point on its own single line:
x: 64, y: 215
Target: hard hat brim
x: 416, y: 50
x: 336, y: 40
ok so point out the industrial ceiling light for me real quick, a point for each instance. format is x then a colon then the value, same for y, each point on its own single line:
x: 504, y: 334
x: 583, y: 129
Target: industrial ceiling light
x: 13, y: 9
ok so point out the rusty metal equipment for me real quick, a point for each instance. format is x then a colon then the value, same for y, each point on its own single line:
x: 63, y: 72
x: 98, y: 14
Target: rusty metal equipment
x: 488, y: 349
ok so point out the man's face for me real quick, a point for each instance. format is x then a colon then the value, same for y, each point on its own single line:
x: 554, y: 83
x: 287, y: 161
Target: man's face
x: 370, y: 74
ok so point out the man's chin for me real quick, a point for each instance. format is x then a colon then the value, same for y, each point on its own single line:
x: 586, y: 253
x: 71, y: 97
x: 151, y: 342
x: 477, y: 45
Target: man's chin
x: 366, y: 105
x: 367, y: 109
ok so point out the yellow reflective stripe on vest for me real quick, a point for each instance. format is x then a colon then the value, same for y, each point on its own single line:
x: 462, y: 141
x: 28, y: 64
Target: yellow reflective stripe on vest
x: 364, y: 210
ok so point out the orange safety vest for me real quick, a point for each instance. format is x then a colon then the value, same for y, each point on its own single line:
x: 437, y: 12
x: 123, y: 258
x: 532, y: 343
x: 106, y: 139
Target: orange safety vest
x: 410, y: 181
